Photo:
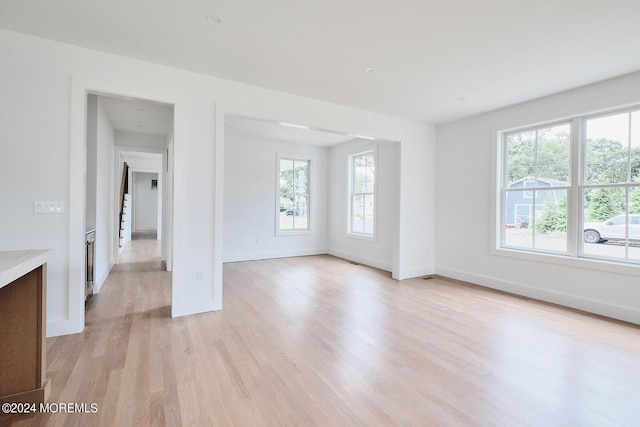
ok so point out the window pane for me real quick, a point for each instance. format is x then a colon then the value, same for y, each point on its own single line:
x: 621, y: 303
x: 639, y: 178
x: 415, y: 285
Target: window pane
x: 520, y: 156
x: 301, y: 176
x: 518, y: 218
x: 635, y: 147
x: 294, y: 195
x: 551, y: 220
x: 369, y: 188
x: 357, y: 213
x: 552, y: 151
x: 607, y: 149
x: 369, y: 207
x: 540, y: 155
x: 300, y: 212
x: 360, y: 178
x: 634, y: 223
x: 604, y: 225
x: 286, y: 182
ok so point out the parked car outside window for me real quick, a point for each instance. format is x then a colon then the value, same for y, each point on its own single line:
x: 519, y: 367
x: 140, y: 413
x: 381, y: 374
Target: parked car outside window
x: 612, y: 229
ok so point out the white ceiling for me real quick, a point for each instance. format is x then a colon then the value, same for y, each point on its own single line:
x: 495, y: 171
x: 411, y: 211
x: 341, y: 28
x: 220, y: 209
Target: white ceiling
x: 138, y: 116
x: 428, y: 54
x: 245, y: 126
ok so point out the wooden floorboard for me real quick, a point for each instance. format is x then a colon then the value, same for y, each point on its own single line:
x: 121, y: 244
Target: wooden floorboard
x: 317, y: 341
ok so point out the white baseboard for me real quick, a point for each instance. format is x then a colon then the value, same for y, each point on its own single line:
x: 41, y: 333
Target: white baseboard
x: 271, y: 255
x: 56, y: 328
x: 372, y: 262
x: 185, y: 308
x: 626, y: 314
x: 415, y: 272
x: 100, y: 279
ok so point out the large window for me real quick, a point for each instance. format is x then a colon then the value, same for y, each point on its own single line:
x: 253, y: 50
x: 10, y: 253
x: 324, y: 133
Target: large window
x: 293, y: 209
x: 573, y: 187
x: 362, y: 203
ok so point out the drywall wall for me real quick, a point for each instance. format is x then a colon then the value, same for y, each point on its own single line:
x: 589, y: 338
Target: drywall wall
x: 378, y: 252
x: 104, y: 201
x: 47, y: 82
x: 140, y: 140
x: 145, y: 202
x: 91, y: 165
x: 250, y: 186
x: 464, y: 209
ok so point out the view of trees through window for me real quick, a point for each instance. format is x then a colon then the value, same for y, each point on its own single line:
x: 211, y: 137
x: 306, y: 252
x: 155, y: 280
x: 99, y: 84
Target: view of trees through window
x: 294, y: 194
x: 537, y: 180
x: 537, y: 171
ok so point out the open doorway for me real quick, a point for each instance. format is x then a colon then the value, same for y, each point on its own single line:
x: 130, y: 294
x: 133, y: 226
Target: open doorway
x: 289, y: 191
x: 128, y: 181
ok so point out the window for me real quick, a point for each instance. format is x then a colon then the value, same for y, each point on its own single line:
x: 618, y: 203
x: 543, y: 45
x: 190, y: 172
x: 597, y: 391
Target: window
x: 573, y: 187
x: 362, y: 206
x: 293, y: 195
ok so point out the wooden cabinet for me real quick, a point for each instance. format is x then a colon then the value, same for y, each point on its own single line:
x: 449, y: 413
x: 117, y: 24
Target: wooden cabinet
x: 23, y: 298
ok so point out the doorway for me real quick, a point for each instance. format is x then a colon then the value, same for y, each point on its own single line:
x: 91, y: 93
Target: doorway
x: 128, y: 151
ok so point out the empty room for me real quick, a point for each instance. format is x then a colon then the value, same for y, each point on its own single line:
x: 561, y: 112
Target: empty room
x: 321, y: 213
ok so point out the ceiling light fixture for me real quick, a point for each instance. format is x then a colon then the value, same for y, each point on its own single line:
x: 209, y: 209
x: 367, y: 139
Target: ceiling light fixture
x: 368, y: 70
x: 355, y: 135
x: 212, y: 19
x: 293, y: 125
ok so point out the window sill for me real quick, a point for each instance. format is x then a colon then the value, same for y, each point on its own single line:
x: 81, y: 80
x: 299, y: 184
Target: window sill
x: 291, y: 233
x: 566, y: 260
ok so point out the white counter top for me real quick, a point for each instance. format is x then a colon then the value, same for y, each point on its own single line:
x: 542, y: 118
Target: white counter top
x: 15, y: 264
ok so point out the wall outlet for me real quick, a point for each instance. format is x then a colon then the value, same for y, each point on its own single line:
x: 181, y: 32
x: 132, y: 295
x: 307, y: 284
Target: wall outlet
x: 48, y: 207
x: 199, y: 275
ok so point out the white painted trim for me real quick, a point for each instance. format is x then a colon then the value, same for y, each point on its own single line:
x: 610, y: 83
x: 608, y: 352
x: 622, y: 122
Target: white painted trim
x: 372, y: 262
x: 627, y: 314
x: 80, y: 87
x: 188, y: 307
x: 569, y: 261
x: 411, y: 273
x: 254, y: 256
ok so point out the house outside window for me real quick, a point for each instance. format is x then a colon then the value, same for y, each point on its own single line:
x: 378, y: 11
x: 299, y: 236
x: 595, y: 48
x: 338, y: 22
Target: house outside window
x: 362, y: 200
x: 573, y: 187
x: 293, y: 195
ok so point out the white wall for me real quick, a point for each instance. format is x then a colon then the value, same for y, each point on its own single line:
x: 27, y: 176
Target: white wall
x: 145, y: 202
x: 105, y: 205
x: 378, y: 253
x: 464, y: 209
x: 98, y: 205
x: 250, y: 186
x: 92, y: 159
x: 43, y: 135
x: 140, y: 140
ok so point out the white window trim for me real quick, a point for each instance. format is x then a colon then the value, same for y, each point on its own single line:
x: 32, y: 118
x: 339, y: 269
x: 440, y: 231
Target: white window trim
x: 574, y: 256
x: 301, y: 157
x: 351, y: 234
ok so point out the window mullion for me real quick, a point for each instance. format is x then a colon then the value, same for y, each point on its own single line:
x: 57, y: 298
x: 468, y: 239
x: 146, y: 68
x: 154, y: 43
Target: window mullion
x: 574, y: 204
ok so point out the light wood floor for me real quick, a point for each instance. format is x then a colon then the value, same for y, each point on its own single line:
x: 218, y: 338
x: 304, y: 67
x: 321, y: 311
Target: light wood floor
x: 320, y: 341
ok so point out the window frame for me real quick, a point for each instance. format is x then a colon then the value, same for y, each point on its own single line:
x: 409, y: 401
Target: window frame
x: 279, y: 232
x: 350, y: 194
x: 575, y: 255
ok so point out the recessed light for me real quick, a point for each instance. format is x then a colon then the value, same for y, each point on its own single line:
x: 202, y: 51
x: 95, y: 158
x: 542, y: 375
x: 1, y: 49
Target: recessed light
x: 293, y: 125
x: 212, y: 19
x: 368, y: 70
x: 355, y: 135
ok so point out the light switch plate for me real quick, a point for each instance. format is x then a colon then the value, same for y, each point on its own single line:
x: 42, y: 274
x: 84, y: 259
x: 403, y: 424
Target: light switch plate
x: 48, y: 207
